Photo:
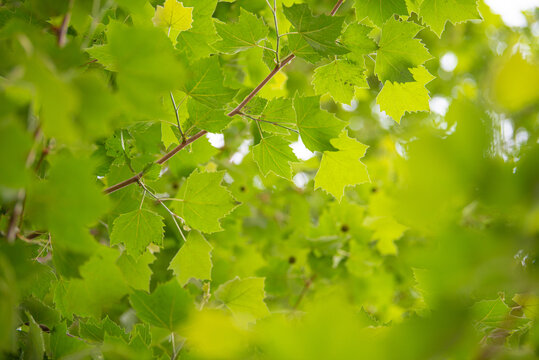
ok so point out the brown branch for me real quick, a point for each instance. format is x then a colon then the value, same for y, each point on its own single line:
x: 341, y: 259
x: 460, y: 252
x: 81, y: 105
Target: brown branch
x: 236, y: 111
x: 336, y: 7
x: 62, y: 33
x: 162, y: 160
x: 46, y: 150
x: 249, y: 97
x: 277, y: 68
x: 13, y: 229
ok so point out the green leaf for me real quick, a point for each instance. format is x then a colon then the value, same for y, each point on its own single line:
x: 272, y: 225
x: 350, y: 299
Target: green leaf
x: 196, y: 154
x: 97, y: 104
x: 321, y: 32
x: 301, y: 48
x: 242, y: 35
x: 278, y: 111
x: 244, y: 298
x: 356, y: 39
x: 97, y: 331
x: 379, y: 11
x: 399, y: 51
x: 136, y: 230
x: 386, y: 231
x: 67, y: 202
x: 316, y: 126
x: 168, y: 134
x: 35, y: 345
x: 436, y: 13
x: 49, y: 86
x: 103, y: 56
x: 339, y: 78
x: 41, y: 312
x: 146, y: 64
x: 206, y: 118
x: 491, y: 315
x: 196, y: 42
x: 173, y: 17
x: 202, y: 201
x: 193, y: 260
x: 342, y: 168
x: 136, y: 272
x: 62, y: 345
x: 395, y: 98
x: 529, y: 304
x: 15, y: 142
x: 274, y: 154
x: 167, y: 307
x: 205, y: 84
x: 101, y: 286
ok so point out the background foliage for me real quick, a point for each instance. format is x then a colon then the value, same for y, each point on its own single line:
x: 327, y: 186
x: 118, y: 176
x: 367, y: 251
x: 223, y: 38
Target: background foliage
x: 377, y: 194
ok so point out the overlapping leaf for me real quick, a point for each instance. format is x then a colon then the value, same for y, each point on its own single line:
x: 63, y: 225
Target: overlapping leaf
x: 193, y: 260
x: 136, y: 230
x: 379, y: 11
x: 173, y: 17
x: 397, y: 98
x: 166, y: 307
x: 342, y: 168
x: 245, y: 34
x: 339, y: 78
x: 437, y: 13
x: 244, y: 298
x: 202, y: 201
x: 399, y: 52
x: 196, y: 42
x: 320, y: 32
x: 274, y: 154
x: 316, y: 127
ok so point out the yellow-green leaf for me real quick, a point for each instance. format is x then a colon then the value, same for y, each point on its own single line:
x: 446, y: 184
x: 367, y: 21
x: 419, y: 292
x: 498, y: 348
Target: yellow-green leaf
x: 397, y: 98
x: 342, y: 168
x: 174, y: 18
x: 193, y: 260
x: 244, y: 298
x: 274, y: 154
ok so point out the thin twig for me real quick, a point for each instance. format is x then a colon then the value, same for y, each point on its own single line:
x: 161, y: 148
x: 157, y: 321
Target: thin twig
x: 174, y: 353
x: 259, y: 129
x: 306, y: 287
x: 264, y: 47
x: 176, y: 113
x: 46, y: 150
x: 47, y: 245
x: 62, y: 33
x: 171, y: 213
x: 289, y: 33
x: 162, y: 160
x: 259, y: 87
x: 336, y: 7
x: 268, y: 122
x: 278, y: 37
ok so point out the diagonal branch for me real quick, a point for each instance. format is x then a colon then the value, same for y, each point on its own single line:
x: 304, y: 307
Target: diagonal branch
x: 336, y: 7
x: 62, y: 32
x: 236, y: 111
x: 162, y: 160
x: 249, y: 97
x: 277, y: 68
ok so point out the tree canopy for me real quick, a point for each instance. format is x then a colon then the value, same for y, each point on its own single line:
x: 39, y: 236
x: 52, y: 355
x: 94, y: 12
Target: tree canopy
x: 268, y: 179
